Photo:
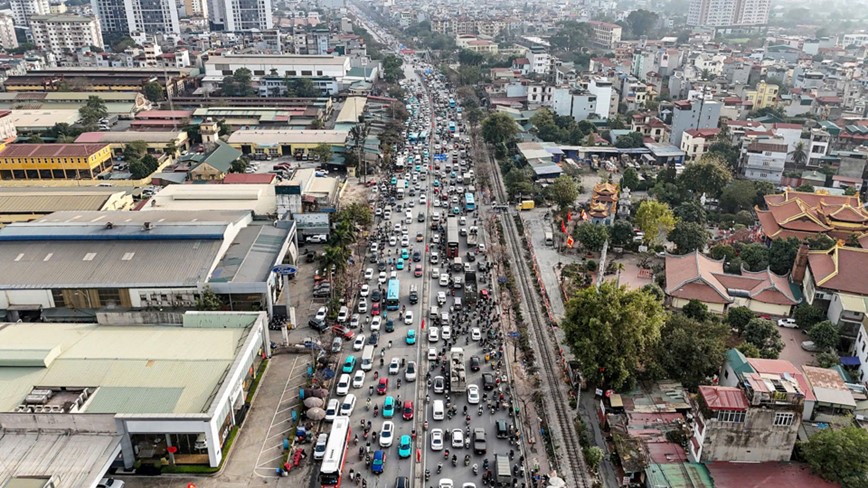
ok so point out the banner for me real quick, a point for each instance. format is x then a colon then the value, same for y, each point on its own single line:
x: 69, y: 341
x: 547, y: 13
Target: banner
x: 563, y: 228
x: 570, y: 242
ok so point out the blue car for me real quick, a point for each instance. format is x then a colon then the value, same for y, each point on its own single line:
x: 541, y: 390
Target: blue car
x: 349, y: 364
x: 388, y: 407
x: 379, y: 462
x: 399, y: 265
x: 405, y: 446
x: 405, y: 254
x: 411, y: 336
x: 456, y: 210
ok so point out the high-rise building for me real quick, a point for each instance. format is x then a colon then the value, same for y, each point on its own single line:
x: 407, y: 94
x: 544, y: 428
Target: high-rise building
x: 22, y: 10
x: 196, y: 8
x: 152, y: 16
x: 65, y: 33
x: 240, y: 15
x: 7, y: 32
x: 112, y: 15
x: 728, y: 13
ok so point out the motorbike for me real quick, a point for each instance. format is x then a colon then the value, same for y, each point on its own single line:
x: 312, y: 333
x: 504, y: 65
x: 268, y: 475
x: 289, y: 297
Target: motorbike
x: 454, y: 460
x: 475, y: 470
x: 467, y: 459
x: 439, y: 468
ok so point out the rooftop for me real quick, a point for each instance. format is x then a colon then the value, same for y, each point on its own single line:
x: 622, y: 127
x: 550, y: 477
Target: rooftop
x: 35, y: 201
x: 71, y: 460
x: 763, y: 475
x: 51, y: 150
x: 840, y: 269
x: 257, y: 198
x: 267, y: 138
x: 723, y: 397
x: 129, y: 136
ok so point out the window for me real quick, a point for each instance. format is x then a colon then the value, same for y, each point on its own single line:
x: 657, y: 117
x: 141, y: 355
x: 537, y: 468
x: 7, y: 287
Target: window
x: 306, y: 72
x: 59, y: 301
x: 730, y: 416
x: 784, y: 418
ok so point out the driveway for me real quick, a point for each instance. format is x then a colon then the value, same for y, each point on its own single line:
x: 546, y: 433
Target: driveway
x: 793, y: 351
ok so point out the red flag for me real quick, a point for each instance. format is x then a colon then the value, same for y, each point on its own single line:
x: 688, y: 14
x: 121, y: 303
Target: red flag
x: 570, y: 241
x: 563, y: 228
x: 569, y: 215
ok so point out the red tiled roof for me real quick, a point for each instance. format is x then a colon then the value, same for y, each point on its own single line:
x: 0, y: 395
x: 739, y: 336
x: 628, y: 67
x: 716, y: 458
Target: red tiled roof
x: 840, y: 269
x: 50, y: 150
x: 723, y: 397
x: 781, y: 125
x: 704, y: 133
x: 764, y: 475
x: 253, y: 178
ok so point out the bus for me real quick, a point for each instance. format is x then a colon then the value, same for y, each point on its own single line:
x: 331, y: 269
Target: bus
x: 393, y: 295
x: 469, y: 202
x: 336, y: 453
x: 451, y: 237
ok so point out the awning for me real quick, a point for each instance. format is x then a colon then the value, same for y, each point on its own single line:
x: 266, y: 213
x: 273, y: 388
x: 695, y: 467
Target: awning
x: 850, y: 361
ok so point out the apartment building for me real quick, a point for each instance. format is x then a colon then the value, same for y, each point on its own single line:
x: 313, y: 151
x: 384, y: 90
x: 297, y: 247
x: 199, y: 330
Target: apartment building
x: 112, y: 15
x: 573, y: 102
x: 65, y: 33
x: 764, y: 160
x: 764, y: 95
x: 196, y: 8
x: 54, y: 161
x: 240, y: 15
x: 728, y: 13
x: 22, y: 10
x: 605, y: 35
x: 8, y: 40
x: 152, y: 16
x: 695, y: 142
x: 693, y: 114
x: 540, y: 60
x: 607, y: 97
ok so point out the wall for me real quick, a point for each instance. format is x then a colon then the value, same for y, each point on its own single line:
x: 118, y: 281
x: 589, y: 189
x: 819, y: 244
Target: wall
x: 76, y: 422
x: 770, y: 309
x: 755, y: 440
x: 144, y: 317
x: 712, y: 307
x: 26, y: 297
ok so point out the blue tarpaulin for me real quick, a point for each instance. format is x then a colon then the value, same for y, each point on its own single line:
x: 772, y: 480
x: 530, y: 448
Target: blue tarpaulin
x: 850, y: 361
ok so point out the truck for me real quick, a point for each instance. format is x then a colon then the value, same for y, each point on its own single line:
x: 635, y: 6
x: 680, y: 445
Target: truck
x: 470, y: 287
x: 472, y: 236
x: 525, y: 205
x: 502, y: 471
x: 457, y: 372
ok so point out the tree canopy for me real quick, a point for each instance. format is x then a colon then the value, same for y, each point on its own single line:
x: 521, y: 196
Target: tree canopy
x: 563, y: 192
x: 499, y: 129
x: 738, y: 195
x: 612, y: 332
x: 688, y: 237
x: 630, y: 179
x: 739, y: 317
x: 825, y: 335
x: 239, y: 84
x: 654, y: 218
x: 782, y: 254
x: 92, y: 111
x: 691, y: 350
x: 709, y: 175
x: 630, y: 140
x: 591, y: 236
x: 839, y: 455
x: 392, y: 68
x: 764, y: 335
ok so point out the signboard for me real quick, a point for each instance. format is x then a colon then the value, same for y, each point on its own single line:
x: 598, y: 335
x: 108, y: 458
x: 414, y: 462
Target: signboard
x: 284, y: 269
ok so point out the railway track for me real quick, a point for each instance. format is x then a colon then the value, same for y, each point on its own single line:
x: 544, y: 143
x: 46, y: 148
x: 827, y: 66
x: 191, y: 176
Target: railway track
x: 569, y: 460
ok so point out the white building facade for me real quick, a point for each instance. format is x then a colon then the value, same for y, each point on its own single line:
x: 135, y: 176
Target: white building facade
x: 65, y: 33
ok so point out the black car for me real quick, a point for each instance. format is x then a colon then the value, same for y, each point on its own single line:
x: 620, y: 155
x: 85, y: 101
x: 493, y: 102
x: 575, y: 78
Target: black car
x: 381, y: 266
x: 417, y: 256
x: 375, y: 296
x: 373, y: 258
x: 475, y: 363
x: 374, y: 339
x: 488, y: 381
x: 317, y: 324
x: 471, y: 257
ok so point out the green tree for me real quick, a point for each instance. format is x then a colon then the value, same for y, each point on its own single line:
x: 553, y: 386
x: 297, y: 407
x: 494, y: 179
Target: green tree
x: 696, y: 310
x: 764, y: 335
x: 591, y: 236
x: 238, y: 166
x: 563, y: 192
x: 153, y: 91
x: 612, y: 332
x: 593, y: 456
x: 782, y: 253
x: 630, y: 179
x: 690, y: 350
x: 209, y: 301
x: 135, y: 151
x: 691, y: 211
x: 738, y: 195
x: 239, y: 84
x: 838, y: 455
x: 571, y: 36
x: 754, y: 256
x: 621, y: 233
x: 641, y: 22
x: 805, y: 188
x: 92, y: 111
x: 709, y: 175
x: 723, y: 251
x: 499, y: 129
x: 688, y: 237
x: 749, y: 350
x: 807, y: 315
x: 654, y: 218
x: 322, y: 153
x: 632, y: 139
x: 150, y: 162
x: 392, y: 68
x: 825, y: 335
x: 800, y: 155
x: 123, y: 43
x: 739, y: 317
x: 820, y: 242
x: 35, y: 139
x: 726, y: 151
x: 138, y: 170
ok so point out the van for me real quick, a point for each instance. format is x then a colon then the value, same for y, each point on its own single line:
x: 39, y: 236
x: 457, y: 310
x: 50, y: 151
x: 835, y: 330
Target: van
x: 434, y: 312
x: 502, y: 429
x: 400, y: 193
x: 457, y: 303
x: 367, y: 358
x: 435, y: 217
x: 439, y: 410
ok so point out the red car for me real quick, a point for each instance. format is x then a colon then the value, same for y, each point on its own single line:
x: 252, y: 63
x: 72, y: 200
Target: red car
x: 408, y: 410
x: 383, y: 386
x: 375, y: 308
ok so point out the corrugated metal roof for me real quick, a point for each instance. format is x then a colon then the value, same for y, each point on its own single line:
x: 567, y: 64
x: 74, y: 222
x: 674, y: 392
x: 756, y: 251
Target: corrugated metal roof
x: 39, y: 202
x: 134, y: 400
x: 678, y: 475
x: 72, y: 460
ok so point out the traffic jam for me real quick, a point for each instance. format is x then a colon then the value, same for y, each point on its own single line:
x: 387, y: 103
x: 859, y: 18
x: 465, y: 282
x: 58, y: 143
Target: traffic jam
x: 421, y: 388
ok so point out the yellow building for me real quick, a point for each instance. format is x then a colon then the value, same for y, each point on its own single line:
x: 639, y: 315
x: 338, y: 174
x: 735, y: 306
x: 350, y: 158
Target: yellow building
x: 285, y: 142
x: 54, y: 161
x: 765, y: 95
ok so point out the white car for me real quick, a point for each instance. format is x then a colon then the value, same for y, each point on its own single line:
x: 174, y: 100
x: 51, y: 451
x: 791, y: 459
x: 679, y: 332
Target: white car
x: 355, y: 320
x: 319, y: 449
x: 363, y: 306
x: 433, y: 334
x: 437, y: 440
x: 432, y: 353
x: 348, y: 405
x: 444, y: 279
x: 445, y: 483
x: 343, y: 314
x: 110, y: 483
x: 405, y: 241
x: 364, y: 291
x: 441, y: 296
x: 435, y: 202
x: 369, y: 273
x: 393, y: 241
x: 410, y: 372
x: 387, y: 433
x: 381, y: 278
x: 446, y: 332
x: 472, y: 394
x: 408, y: 317
x: 457, y: 438
x: 321, y: 314
x: 343, y: 385
x: 394, y: 366
x: 332, y: 409
x: 475, y: 334
x: 359, y: 343
x: 788, y: 323
x: 375, y: 324
x: 423, y: 200
x: 359, y: 379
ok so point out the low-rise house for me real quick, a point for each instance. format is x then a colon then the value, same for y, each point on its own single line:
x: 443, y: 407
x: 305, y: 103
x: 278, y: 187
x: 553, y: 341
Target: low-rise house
x: 695, y: 142
x: 764, y: 160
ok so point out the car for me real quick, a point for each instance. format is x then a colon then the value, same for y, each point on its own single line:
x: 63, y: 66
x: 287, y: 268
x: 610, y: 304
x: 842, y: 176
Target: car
x: 348, y: 405
x: 488, y: 382
x: 475, y: 363
x: 394, y: 366
x: 788, y: 323
x: 407, y: 410
x: 411, y: 336
x: 355, y: 320
x: 432, y: 353
x: 457, y: 438
x: 441, y: 297
x: 472, y: 394
x: 405, y: 446
x: 321, y: 314
x: 810, y: 346
x: 332, y: 409
x: 446, y: 332
x: 363, y: 305
x: 382, y: 386
x: 375, y: 309
x: 343, y: 385
x: 381, y: 266
x: 343, y: 332
x: 319, y: 449
x: 417, y: 271
x: 405, y: 254
x: 439, y: 384
x: 349, y: 364
x: 364, y: 291
x: 410, y: 371
x: 444, y: 279
x: 359, y: 379
x: 382, y: 277
x: 417, y: 256
x: 374, y: 339
x: 376, y: 296
x: 405, y: 241
x: 359, y: 343
x: 476, y: 334
x: 479, y: 444
x: 408, y: 317
x: 399, y: 264
x: 403, y: 482
x: 393, y: 241
x: 420, y: 237
x: 387, y: 434
x: 445, y: 483
x: 375, y: 321
x: 110, y: 483
x: 437, y: 439
x: 433, y: 334
x: 388, y: 407
x: 343, y: 314
x: 379, y: 462
x: 337, y: 343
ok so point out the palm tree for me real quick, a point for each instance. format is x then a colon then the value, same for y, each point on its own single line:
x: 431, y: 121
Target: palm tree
x: 800, y: 156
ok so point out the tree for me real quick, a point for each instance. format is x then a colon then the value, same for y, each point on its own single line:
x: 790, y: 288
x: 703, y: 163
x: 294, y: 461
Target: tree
x: 135, y: 151
x: 723, y: 251
x: 726, y: 151
x: 754, y: 256
x: 499, y: 129
x: 304, y: 88
x: 621, y: 233
x: 322, y: 153
x: 654, y: 218
x: 805, y: 188
x: 591, y: 236
x: 92, y: 111
x: 392, y: 68
x: 239, y: 84
x: 838, y: 455
x: 738, y: 195
x: 782, y: 254
x: 630, y: 179
x: 138, y: 170
x: 691, y: 211
x: 807, y: 315
x: 825, y: 335
x: 563, y: 192
x: 571, y: 36
x: 688, y: 237
x: 696, y: 310
x: 820, y: 242
x: 208, y: 300
x: 612, y: 332
x: 593, y: 456
x: 150, y: 163
x: 800, y: 155
x: 122, y: 44
x: 739, y: 317
x: 238, y: 166
x: 690, y: 350
x: 641, y: 22
x: 764, y: 335
x: 632, y: 139
x: 708, y: 175
x: 153, y: 91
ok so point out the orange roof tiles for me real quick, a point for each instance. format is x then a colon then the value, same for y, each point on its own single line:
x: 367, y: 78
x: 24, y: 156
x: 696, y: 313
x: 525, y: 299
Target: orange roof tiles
x: 51, y: 150
x: 840, y: 269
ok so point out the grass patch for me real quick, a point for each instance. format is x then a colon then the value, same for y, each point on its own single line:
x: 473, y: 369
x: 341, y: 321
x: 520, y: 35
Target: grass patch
x: 255, y: 385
